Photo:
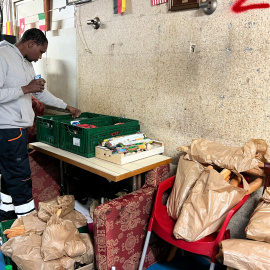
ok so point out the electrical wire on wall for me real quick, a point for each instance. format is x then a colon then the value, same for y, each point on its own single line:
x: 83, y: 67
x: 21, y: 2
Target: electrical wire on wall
x: 81, y: 35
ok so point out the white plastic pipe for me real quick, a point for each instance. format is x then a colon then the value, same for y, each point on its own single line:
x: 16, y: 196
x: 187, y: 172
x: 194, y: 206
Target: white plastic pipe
x: 144, y: 249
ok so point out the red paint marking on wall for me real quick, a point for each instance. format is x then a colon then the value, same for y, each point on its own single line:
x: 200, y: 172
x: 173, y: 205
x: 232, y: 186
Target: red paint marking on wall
x: 239, y: 7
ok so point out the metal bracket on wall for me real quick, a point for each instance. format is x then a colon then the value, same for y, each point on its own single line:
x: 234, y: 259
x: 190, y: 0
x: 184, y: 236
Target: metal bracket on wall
x: 208, y: 6
x: 95, y: 22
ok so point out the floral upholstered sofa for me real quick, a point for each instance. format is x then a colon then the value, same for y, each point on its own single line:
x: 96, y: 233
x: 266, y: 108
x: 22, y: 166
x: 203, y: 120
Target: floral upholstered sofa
x: 120, y: 227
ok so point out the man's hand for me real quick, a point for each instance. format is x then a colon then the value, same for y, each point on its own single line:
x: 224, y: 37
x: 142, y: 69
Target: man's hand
x: 34, y: 86
x: 74, y: 112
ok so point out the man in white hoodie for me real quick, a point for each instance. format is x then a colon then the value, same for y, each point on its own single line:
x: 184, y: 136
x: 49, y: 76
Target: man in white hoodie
x: 17, y: 84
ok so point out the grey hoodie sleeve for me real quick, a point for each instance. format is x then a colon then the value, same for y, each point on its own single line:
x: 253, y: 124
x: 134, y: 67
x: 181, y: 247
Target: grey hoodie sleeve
x: 49, y: 99
x: 7, y: 94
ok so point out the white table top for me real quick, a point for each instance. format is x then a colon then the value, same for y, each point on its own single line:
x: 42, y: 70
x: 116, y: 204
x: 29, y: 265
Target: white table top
x: 109, y: 170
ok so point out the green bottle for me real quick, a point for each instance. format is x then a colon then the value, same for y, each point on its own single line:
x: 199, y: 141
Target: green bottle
x: 8, y: 267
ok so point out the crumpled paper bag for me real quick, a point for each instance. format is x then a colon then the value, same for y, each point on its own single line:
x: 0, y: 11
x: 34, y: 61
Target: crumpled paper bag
x: 67, y: 263
x: 187, y: 174
x: 206, y: 208
x: 46, y: 209
x: 77, y: 218
x: 88, y: 256
x: 237, y: 159
x: 25, y: 252
x: 258, y: 227
x: 61, y: 238
x: 246, y: 254
x: 31, y: 223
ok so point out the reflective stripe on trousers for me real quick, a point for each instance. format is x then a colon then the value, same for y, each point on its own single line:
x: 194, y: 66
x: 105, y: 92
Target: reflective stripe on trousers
x: 16, y: 183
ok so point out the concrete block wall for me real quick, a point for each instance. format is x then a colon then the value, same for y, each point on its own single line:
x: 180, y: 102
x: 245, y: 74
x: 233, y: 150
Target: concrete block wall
x: 140, y: 65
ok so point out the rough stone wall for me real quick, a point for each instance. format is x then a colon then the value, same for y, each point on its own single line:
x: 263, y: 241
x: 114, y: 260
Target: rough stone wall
x: 140, y: 65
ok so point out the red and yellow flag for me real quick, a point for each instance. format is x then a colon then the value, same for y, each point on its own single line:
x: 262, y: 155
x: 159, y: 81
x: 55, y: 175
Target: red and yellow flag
x: 8, y: 28
x: 119, y: 6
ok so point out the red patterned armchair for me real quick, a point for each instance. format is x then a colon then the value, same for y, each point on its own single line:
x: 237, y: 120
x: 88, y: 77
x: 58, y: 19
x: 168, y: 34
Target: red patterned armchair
x: 45, y: 177
x: 120, y: 227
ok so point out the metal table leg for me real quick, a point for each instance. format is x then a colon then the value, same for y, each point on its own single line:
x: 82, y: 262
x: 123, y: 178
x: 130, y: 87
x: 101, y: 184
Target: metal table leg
x: 136, y: 182
x: 63, y: 178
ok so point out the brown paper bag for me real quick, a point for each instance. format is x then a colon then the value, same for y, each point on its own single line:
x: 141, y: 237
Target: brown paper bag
x: 187, y: 174
x: 46, y: 209
x: 67, y: 263
x: 88, y: 256
x: 206, y: 208
x: 246, y: 254
x: 31, y: 223
x: 259, y: 224
x: 61, y: 238
x: 24, y: 250
x: 77, y: 218
x: 238, y: 159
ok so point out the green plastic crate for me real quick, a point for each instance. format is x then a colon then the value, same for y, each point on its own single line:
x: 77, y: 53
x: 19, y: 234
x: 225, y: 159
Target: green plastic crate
x: 83, y: 229
x: 4, y: 226
x: 82, y: 141
x: 48, y: 126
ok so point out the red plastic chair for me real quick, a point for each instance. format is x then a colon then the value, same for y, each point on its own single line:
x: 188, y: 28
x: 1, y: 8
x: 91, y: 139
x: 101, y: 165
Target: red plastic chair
x: 162, y: 224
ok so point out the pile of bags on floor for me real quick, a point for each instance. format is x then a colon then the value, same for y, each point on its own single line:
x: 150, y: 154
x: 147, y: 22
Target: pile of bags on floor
x: 200, y: 198
x: 49, y: 238
x: 249, y: 254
